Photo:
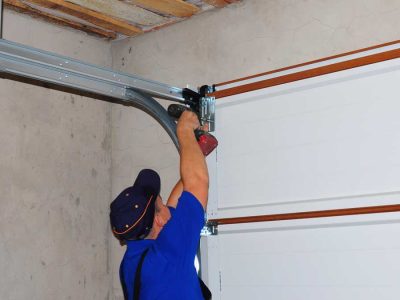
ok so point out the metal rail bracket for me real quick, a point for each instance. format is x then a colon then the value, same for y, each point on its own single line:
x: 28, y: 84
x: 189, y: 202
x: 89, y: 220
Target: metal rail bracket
x: 207, y: 112
x: 202, y: 104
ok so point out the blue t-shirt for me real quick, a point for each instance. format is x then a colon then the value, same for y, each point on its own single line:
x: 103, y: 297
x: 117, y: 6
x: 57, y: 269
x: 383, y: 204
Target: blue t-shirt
x: 168, y: 270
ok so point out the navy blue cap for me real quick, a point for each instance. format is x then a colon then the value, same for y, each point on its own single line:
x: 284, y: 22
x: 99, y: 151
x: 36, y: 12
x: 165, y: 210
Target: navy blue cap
x: 132, y: 212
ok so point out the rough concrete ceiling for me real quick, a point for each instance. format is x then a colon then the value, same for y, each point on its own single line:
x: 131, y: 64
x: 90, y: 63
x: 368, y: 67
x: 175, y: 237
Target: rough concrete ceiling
x: 114, y: 19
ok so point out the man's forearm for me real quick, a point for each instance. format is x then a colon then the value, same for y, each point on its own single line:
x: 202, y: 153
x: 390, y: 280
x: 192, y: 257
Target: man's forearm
x: 193, y: 167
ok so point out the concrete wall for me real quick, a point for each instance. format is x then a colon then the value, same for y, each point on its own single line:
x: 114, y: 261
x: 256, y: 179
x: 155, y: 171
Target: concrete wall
x: 54, y: 177
x: 242, y: 39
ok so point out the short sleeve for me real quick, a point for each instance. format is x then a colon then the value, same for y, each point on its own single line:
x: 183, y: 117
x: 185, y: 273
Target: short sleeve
x: 181, y: 235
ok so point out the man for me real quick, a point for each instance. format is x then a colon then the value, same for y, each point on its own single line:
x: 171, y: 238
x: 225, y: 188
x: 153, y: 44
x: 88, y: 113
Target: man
x: 162, y: 240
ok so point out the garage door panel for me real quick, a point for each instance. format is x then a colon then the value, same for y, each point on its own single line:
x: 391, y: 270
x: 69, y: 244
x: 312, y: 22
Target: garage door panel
x: 327, y: 142
x: 335, y: 259
x: 344, y: 146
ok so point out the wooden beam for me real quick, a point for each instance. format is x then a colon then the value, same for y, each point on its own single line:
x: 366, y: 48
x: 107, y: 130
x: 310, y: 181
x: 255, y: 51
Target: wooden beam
x: 177, y: 8
x: 217, y: 3
x: 220, y: 3
x: 90, y: 16
x: 21, y: 7
x: 121, y: 10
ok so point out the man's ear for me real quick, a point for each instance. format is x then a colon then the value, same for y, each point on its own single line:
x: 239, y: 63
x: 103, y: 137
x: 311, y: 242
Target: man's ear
x: 158, y: 220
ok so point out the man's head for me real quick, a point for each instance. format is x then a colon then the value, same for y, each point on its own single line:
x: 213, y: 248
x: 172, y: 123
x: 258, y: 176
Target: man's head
x: 133, y: 212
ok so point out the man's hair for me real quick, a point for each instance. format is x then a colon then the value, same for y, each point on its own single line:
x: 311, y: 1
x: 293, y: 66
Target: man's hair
x: 157, y: 210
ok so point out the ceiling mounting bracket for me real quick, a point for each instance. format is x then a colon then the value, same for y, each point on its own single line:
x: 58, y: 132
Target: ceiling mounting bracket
x: 207, y: 112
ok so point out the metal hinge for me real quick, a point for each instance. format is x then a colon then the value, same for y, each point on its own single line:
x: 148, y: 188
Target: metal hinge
x: 211, y: 228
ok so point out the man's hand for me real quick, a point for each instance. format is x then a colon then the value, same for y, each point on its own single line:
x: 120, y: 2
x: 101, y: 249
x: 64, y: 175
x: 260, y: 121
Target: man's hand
x: 187, y: 122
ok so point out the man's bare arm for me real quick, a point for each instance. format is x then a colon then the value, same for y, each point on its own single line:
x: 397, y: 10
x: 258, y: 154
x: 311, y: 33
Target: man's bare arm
x: 193, y: 167
x: 175, y: 194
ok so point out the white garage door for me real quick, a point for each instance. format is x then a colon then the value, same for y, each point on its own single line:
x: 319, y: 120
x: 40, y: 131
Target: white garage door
x: 322, y: 143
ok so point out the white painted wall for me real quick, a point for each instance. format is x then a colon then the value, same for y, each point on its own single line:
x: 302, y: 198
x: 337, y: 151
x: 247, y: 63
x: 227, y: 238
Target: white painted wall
x: 55, y: 179
x: 239, y: 40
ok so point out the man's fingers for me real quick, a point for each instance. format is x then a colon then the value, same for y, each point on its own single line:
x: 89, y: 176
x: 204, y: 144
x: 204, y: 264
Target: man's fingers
x: 190, y: 119
x: 205, y: 127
